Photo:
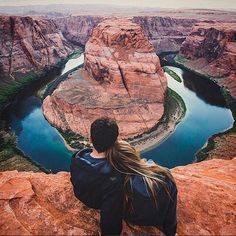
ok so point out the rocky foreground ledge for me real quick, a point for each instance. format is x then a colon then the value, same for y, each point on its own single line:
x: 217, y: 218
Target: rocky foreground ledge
x: 37, y: 203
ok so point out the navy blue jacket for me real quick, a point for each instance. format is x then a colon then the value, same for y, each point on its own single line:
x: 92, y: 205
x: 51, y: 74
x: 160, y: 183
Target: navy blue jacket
x: 98, y: 186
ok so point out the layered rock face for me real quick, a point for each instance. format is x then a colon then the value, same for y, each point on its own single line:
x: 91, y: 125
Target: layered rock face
x: 122, y: 79
x: 77, y: 29
x: 41, y: 204
x: 210, y: 49
x: 29, y: 44
x: 119, y: 53
x: 224, y: 147
x: 165, y: 33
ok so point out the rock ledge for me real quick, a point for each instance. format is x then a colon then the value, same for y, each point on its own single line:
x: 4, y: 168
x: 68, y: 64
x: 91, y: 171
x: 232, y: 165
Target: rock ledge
x: 41, y: 204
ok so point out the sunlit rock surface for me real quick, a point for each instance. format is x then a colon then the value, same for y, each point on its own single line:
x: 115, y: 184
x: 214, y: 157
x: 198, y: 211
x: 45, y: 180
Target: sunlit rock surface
x: 165, y: 33
x: 29, y: 44
x: 210, y: 49
x: 122, y: 79
x: 41, y: 204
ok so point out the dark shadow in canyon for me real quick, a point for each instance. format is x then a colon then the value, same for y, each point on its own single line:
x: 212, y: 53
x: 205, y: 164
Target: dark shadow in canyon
x: 204, y: 88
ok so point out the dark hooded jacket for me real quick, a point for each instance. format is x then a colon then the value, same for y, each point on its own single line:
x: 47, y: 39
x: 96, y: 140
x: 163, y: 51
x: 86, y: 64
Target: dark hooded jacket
x: 99, y: 186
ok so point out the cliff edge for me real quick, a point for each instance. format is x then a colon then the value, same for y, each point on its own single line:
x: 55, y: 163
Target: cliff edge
x: 210, y: 49
x: 29, y: 44
x: 41, y: 204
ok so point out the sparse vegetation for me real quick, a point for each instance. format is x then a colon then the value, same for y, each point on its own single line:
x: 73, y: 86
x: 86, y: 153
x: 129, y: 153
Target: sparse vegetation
x: 53, y: 85
x: 203, y: 153
x: 10, y: 89
x: 231, y: 103
x: 171, y: 94
x: 172, y: 102
x: 10, y: 156
x: 75, y: 141
x: 172, y: 74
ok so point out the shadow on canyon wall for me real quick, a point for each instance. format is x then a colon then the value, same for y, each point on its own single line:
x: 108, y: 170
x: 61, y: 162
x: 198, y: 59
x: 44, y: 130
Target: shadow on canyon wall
x: 205, y: 89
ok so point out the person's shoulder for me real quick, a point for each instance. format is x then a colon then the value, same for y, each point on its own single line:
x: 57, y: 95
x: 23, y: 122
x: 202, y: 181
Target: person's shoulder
x: 81, y: 153
x: 77, y: 160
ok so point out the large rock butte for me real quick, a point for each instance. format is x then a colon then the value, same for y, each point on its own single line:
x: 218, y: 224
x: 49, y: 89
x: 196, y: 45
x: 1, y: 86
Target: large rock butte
x: 210, y: 49
x: 165, y: 33
x: 122, y: 79
x: 41, y: 204
x: 29, y: 44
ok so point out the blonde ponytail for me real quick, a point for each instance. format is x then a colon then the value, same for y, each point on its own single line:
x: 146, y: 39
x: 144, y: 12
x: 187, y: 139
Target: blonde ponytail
x: 125, y: 159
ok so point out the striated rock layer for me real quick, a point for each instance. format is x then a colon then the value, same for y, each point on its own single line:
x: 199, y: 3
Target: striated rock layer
x: 210, y: 49
x: 41, y: 204
x: 224, y: 147
x: 29, y: 44
x: 77, y: 29
x: 122, y: 79
x: 165, y: 33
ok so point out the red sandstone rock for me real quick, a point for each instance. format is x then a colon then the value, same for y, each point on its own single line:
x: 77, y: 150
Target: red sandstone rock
x: 41, y: 204
x: 123, y: 79
x: 29, y: 44
x: 77, y: 29
x: 224, y: 147
x: 210, y: 49
x: 165, y: 33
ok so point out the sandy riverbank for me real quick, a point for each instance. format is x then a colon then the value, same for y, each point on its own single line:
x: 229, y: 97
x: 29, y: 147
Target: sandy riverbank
x: 174, y: 114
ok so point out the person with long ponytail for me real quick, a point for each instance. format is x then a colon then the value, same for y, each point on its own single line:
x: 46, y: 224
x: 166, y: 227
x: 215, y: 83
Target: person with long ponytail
x: 112, y: 177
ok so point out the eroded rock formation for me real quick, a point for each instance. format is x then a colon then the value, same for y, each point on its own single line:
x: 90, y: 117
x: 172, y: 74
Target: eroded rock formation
x: 122, y: 79
x: 224, y: 147
x: 77, y: 29
x: 165, y: 33
x: 210, y: 49
x: 41, y: 204
x: 29, y: 44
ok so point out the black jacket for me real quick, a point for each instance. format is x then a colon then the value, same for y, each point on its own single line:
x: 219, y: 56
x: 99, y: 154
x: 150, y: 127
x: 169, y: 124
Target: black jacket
x: 98, y: 186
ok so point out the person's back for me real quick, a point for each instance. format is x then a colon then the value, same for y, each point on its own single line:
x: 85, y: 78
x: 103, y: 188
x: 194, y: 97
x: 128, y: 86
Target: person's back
x: 101, y: 183
x: 99, y: 187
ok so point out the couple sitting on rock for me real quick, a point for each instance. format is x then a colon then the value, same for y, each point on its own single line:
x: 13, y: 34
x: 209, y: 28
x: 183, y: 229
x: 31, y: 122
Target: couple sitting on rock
x: 113, y: 178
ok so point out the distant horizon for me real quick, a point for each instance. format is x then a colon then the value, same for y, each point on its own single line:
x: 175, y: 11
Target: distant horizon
x: 168, y: 4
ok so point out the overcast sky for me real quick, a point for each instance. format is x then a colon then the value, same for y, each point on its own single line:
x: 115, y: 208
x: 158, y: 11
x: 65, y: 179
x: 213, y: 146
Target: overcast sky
x: 224, y: 4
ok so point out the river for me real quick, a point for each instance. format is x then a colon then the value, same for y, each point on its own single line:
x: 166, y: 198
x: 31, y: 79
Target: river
x: 35, y: 136
x: 206, y: 115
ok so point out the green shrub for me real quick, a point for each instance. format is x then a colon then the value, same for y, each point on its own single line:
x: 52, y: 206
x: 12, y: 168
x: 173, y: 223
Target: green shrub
x: 172, y: 74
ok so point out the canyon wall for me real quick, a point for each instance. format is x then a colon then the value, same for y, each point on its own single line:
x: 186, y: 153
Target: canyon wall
x: 29, y: 44
x: 210, y: 49
x: 165, y: 33
x: 77, y: 29
x: 122, y: 79
x: 41, y: 204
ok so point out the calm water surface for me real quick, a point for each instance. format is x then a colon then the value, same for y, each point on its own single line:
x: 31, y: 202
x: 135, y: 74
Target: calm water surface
x: 35, y: 136
x: 206, y: 115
